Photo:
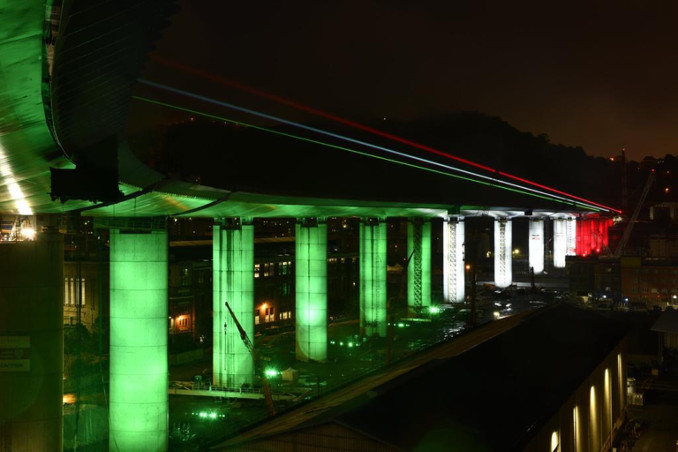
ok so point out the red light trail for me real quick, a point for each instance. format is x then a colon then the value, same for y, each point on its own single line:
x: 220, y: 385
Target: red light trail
x: 347, y: 122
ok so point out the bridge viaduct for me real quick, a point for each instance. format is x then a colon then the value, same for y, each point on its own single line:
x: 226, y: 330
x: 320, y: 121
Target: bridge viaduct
x: 57, y: 108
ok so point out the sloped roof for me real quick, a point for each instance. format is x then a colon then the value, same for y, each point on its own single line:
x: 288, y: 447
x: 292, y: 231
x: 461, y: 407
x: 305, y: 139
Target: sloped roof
x: 492, y: 397
x: 667, y: 322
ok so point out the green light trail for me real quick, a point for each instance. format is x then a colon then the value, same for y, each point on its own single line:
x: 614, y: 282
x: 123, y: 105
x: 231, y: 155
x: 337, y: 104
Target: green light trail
x: 364, y: 154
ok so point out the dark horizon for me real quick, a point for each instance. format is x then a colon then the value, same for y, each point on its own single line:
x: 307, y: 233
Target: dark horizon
x: 585, y: 75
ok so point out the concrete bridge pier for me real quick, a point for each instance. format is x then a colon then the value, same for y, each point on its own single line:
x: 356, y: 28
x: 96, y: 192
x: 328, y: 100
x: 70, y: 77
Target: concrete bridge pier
x: 419, y: 267
x: 503, y: 272
x: 31, y: 343
x: 453, y: 259
x: 233, y: 282
x: 559, y: 242
x: 138, y: 366
x: 571, y: 233
x: 373, y: 276
x: 536, y: 245
x: 311, y: 289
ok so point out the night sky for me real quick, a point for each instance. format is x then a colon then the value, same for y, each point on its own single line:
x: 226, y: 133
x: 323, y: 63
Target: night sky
x: 587, y: 74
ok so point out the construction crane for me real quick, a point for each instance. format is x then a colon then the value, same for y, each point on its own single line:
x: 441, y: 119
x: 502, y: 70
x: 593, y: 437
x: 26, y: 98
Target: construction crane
x: 265, y: 387
x: 634, y: 217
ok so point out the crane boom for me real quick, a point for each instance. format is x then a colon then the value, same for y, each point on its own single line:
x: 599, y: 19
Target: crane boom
x: 266, y: 388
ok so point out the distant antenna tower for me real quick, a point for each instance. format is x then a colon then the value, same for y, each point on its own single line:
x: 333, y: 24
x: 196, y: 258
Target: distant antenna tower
x: 624, y: 183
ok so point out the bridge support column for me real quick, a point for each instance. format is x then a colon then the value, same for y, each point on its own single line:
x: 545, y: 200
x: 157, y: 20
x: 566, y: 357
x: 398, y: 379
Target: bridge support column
x: 419, y: 268
x: 536, y: 245
x: 503, y: 274
x: 31, y: 339
x: 559, y: 242
x: 571, y: 232
x: 373, y: 277
x: 139, y: 327
x: 453, y: 260
x: 311, y: 289
x: 233, y: 281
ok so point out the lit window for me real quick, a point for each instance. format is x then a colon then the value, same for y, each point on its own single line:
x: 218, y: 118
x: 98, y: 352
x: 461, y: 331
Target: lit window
x: 71, y: 288
x: 257, y: 269
x: 554, y: 442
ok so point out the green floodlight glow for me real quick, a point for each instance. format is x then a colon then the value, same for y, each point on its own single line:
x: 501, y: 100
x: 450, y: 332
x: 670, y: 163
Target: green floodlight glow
x: 138, y: 350
x: 233, y: 281
x: 419, y: 267
x: 350, y: 345
x: 367, y: 154
x: 311, y: 291
x: 209, y: 415
x: 401, y: 325
x: 271, y: 373
x: 434, y: 310
x: 373, y: 278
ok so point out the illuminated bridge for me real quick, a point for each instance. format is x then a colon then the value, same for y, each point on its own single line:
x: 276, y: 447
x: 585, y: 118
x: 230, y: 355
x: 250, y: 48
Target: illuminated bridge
x: 68, y: 72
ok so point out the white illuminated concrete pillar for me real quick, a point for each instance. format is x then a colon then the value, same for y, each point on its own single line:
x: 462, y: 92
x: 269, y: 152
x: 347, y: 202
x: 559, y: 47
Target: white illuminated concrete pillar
x: 559, y: 242
x: 138, y: 350
x: 373, y: 276
x: 571, y: 233
x: 536, y: 245
x: 233, y: 281
x: 503, y: 273
x: 419, y: 268
x: 31, y: 343
x: 311, y: 290
x: 453, y: 259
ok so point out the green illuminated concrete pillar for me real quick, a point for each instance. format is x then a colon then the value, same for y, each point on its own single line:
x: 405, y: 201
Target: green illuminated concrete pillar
x: 373, y: 276
x: 31, y: 344
x: 233, y: 281
x: 311, y: 289
x: 139, y: 328
x: 419, y: 268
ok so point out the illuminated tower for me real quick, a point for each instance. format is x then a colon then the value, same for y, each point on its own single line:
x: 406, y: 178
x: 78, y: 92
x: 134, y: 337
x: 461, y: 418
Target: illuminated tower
x: 233, y: 281
x: 311, y: 289
x: 419, y: 268
x: 373, y: 276
x: 559, y: 242
x: 139, y: 328
x: 503, y: 274
x: 453, y: 259
x: 536, y: 245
